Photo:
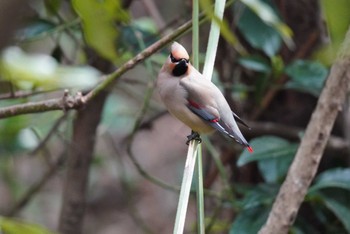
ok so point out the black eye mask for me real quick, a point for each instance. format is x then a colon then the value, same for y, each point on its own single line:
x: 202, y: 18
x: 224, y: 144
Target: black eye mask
x: 174, y: 60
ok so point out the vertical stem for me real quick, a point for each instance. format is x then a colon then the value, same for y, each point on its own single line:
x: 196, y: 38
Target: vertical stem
x: 213, y: 40
x: 192, y: 149
x: 199, y: 171
x: 195, y: 34
x: 200, y: 194
x: 185, y: 188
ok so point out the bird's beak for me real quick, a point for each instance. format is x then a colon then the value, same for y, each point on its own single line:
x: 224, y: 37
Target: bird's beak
x: 183, y: 62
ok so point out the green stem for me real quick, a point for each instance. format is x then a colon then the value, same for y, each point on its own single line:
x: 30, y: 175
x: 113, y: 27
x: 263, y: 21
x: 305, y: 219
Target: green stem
x: 185, y: 188
x: 200, y: 193
x: 213, y: 40
x: 199, y: 171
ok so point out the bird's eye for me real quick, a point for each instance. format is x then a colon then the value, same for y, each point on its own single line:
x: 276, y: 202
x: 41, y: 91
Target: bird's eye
x: 173, y: 59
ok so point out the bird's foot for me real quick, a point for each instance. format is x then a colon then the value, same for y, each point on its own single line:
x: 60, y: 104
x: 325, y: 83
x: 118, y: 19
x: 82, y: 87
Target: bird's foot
x: 193, y: 136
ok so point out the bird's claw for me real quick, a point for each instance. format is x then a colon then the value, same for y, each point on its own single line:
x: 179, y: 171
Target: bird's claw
x: 193, y: 136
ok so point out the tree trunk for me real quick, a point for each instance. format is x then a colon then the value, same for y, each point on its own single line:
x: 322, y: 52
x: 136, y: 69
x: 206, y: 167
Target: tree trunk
x: 78, y: 164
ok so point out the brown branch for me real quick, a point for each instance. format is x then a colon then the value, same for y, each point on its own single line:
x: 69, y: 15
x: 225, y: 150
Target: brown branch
x: 23, y: 94
x: 335, y: 145
x: 310, y: 151
x: 67, y: 102
x: 75, y: 102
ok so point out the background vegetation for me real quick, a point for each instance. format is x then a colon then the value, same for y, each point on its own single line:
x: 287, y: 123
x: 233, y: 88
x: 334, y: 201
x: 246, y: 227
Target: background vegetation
x: 114, y: 163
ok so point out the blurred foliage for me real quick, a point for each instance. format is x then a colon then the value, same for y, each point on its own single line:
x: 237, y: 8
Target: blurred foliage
x: 98, y: 20
x: 338, y: 20
x: 13, y: 226
x: 39, y: 70
x: 274, y: 156
x: 307, y: 76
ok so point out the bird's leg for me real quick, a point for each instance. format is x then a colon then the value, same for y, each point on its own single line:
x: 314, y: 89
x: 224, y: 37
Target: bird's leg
x: 193, y: 136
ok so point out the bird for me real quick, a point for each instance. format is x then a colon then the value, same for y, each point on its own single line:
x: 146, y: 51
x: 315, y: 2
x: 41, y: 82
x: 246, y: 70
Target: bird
x: 195, y: 100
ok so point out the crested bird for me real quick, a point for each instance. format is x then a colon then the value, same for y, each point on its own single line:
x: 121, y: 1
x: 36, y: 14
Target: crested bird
x: 195, y: 100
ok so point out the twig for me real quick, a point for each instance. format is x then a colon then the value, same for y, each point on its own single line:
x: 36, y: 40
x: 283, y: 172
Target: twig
x: 309, y: 154
x: 76, y: 102
x: 51, y: 132
x: 35, y: 188
x: 335, y: 144
x: 146, y: 175
x: 22, y: 94
x: 110, y: 79
x: 154, y: 13
x: 129, y: 190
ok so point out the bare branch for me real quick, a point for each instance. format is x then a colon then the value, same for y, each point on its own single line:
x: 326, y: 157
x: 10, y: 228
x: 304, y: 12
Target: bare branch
x: 23, y: 94
x: 336, y: 145
x: 67, y: 102
x: 76, y: 102
x: 309, y: 154
x: 51, y: 132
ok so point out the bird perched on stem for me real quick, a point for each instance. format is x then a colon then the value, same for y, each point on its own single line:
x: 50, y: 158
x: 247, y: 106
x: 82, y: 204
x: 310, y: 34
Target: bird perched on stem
x: 195, y: 100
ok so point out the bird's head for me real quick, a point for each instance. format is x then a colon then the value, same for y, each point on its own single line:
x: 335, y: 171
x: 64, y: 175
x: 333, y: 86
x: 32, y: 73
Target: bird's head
x: 178, y: 60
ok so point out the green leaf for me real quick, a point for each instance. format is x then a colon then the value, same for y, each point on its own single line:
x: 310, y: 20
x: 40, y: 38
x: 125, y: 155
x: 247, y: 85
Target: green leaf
x: 337, y: 20
x: 27, y: 138
x: 270, y: 17
x: 263, y: 194
x: 82, y: 77
x: 118, y: 113
x: 338, y: 202
x: 334, y: 178
x: 306, y: 76
x: 225, y: 30
x: 10, y: 128
x: 267, y: 147
x: 52, y: 6
x: 277, y: 66
x: 250, y: 220
x: 257, y: 33
x: 35, y: 28
x: 99, y: 20
x: 139, y: 30
x: 274, y: 170
x: 13, y: 226
x: 40, y: 70
x: 255, y: 63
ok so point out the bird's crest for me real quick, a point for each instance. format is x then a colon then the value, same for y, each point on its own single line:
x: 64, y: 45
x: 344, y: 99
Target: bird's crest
x: 178, y: 51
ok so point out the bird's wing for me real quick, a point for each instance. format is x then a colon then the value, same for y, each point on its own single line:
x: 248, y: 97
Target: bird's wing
x: 202, y: 100
x: 207, y: 115
x: 216, y: 122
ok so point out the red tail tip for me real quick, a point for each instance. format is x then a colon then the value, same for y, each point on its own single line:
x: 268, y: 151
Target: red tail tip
x: 250, y: 149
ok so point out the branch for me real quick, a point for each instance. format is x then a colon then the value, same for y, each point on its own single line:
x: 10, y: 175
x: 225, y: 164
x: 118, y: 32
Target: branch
x: 335, y: 145
x: 35, y: 188
x: 67, y: 102
x: 309, y: 154
x: 49, y: 135
x: 77, y: 101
